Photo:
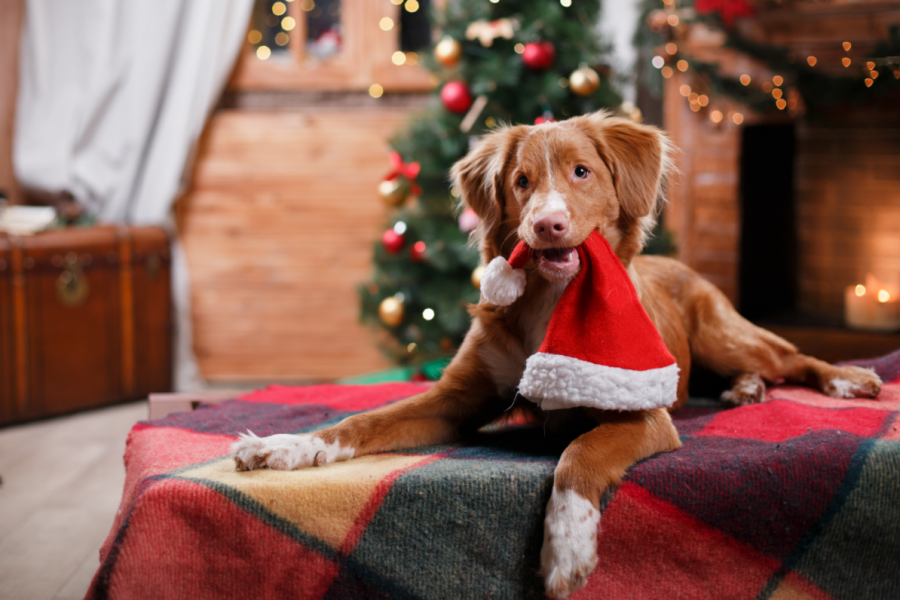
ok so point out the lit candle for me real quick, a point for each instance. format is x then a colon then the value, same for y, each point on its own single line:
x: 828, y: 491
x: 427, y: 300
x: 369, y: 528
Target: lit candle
x: 874, y: 306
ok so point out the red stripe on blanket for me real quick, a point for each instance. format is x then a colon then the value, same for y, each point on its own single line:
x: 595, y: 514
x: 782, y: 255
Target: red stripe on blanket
x: 344, y: 397
x: 153, y: 451
x: 888, y: 399
x: 650, y: 549
x: 780, y: 420
x: 232, y: 556
x: 374, y: 503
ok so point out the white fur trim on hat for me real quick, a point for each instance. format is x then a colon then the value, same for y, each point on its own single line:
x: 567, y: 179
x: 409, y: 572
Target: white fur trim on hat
x: 554, y: 381
x: 501, y: 284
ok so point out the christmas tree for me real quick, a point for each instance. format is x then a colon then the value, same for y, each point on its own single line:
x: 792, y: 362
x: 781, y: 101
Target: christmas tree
x: 497, y: 61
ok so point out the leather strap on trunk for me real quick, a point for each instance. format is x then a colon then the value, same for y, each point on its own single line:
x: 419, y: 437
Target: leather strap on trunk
x: 126, y: 289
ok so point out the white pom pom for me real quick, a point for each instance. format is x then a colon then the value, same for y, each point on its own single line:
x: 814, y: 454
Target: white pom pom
x: 501, y: 284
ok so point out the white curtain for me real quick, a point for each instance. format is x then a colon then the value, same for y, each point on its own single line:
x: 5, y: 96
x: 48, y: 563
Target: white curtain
x: 113, y: 95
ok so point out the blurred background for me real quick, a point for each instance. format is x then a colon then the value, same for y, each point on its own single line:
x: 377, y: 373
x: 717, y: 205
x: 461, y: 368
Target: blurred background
x: 232, y: 193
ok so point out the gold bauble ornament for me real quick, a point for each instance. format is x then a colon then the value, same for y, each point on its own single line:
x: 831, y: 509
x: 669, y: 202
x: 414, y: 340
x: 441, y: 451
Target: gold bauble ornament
x: 391, y: 311
x: 394, y: 191
x: 584, y: 80
x: 476, y: 276
x: 448, y: 51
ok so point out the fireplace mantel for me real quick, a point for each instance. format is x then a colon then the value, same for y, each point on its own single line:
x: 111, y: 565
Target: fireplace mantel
x: 704, y: 204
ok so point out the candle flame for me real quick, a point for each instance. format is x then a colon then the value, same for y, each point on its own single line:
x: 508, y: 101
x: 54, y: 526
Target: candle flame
x: 860, y: 290
x: 883, y: 296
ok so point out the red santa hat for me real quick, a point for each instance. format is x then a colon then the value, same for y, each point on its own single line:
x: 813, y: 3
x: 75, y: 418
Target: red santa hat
x: 601, y: 349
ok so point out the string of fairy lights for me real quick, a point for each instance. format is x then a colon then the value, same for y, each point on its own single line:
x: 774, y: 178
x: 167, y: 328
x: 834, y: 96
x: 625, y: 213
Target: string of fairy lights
x: 783, y: 91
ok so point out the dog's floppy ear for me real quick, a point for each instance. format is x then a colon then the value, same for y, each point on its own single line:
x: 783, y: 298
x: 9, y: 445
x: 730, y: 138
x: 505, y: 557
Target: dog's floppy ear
x: 480, y: 176
x: 639, y: 157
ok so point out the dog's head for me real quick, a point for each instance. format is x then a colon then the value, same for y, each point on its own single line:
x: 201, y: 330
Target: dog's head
x: 553, y: 184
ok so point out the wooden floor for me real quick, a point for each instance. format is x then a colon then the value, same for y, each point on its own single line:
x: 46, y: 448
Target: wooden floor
x: 62, y: 482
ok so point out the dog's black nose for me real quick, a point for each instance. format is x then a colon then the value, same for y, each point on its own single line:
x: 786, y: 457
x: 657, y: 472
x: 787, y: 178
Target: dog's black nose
x: 552, y: 227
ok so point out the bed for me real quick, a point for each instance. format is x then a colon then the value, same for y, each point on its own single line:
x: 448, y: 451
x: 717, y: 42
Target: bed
x: 797, y: 497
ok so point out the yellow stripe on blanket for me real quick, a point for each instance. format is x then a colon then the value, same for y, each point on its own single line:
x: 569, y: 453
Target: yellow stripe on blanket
x: 322, y: 501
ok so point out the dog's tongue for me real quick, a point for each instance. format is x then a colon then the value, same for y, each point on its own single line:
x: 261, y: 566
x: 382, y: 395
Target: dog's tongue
x: 558, y: 255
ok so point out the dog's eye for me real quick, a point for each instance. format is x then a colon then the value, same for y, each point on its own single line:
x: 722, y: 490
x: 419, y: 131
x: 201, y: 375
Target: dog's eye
x: 581, y: 172
x: 522, y: 182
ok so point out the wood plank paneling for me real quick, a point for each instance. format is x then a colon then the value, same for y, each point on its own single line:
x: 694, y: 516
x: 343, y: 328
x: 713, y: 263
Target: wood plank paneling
x: 278, y: 229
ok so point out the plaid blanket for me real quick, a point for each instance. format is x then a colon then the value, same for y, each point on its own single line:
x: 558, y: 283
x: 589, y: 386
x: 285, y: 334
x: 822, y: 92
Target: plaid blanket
x: 794, y: 498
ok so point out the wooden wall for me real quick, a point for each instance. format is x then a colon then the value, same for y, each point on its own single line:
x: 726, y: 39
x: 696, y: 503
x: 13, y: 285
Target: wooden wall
x: 278, y: 227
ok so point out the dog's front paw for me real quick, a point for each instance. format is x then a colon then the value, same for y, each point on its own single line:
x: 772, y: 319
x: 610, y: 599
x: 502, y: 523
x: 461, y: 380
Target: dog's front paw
x: 853, y: 382
x: 285, y: 452
x: 747, y: 388
x: 569, y: 553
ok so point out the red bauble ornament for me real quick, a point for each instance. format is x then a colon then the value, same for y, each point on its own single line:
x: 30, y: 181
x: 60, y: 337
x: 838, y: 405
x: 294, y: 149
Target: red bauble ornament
x: 539, y: 55
x: 456, y: 97
x: 417, y: 252
x: 392, y: 241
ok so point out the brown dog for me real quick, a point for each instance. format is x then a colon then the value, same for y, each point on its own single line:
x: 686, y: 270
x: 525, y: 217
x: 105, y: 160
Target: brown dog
x: 552, y: 185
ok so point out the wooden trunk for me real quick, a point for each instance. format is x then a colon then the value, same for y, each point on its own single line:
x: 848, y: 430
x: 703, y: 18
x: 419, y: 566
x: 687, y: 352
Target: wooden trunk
x: 85, y: 319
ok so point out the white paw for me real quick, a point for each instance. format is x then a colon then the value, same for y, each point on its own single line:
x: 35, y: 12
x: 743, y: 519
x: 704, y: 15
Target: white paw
x: 748, y: 389
x: 285, y: 452
x: 854, y: 382
x: 569, y: 553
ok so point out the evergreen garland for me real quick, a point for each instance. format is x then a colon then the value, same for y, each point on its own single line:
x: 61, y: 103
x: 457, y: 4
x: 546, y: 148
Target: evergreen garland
x: 819, y: 90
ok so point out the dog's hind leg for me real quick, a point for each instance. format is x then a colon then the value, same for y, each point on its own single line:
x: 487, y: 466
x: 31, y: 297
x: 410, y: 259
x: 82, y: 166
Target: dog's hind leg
x: 591, y: 464
x: 724, y: 342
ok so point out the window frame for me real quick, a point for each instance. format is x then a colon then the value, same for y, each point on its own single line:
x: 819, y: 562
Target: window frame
x: 365, y: 56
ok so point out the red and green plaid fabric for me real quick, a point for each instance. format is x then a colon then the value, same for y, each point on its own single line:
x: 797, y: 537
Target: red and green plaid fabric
x: 798, y: 497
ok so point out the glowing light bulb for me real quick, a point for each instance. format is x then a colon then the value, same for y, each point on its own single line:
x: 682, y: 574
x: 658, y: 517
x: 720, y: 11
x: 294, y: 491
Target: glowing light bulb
x: 883, y: 296
x: 685, y: 90
x: 682, y: 65
x: 399, y: 227
x: 658, y: 62
x: 745, y: 79
x: 428, y: 314
x: 778, y: 80
x: 738, y: 118
x: 845, y: 61
x: 715, y: 116
x: 860, y: 290
x: 671, y: 48
x: 846, y: 46
x: 376, y: 90
x: 811, y: 60
x: 386, y: 24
